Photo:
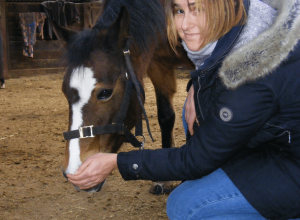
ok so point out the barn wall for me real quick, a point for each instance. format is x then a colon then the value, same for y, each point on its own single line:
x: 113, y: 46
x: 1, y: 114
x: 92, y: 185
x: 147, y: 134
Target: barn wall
x: 4, y: 37
x: 47, y: 53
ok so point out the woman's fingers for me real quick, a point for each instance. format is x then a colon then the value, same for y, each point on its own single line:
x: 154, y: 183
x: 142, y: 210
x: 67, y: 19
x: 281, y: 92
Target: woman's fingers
x: 94, y: 170
x: 190, y: 112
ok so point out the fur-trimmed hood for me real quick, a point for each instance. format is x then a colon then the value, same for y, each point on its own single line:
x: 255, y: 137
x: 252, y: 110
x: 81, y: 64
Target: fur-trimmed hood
x: 268, y: 50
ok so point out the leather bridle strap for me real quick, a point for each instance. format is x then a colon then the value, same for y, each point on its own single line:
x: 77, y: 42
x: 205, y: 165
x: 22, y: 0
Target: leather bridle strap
x: 91, y: 131
x: 125, y: 102
x: 136, y: 85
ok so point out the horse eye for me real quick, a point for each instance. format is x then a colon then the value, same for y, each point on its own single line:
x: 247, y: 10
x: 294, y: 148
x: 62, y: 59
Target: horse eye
x: 104, y: 94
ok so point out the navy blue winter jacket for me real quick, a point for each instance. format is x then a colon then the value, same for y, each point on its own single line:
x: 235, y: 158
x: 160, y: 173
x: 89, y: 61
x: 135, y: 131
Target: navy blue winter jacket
x: 248, y: 105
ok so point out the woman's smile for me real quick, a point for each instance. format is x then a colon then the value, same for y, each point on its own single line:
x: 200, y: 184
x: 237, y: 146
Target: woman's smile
x: 189, y: 23
x: 190, y: 35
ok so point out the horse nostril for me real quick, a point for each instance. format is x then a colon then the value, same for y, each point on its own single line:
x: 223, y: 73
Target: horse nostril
x: 65, y: 175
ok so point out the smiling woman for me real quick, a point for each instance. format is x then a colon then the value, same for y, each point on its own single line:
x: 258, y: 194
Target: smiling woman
x: 198, y: 23
x: 190, y: 24
x: 242, y: 113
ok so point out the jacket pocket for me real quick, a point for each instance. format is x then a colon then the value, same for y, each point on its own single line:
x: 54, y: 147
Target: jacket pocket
x: 271, y: 135
x: 294, y: 148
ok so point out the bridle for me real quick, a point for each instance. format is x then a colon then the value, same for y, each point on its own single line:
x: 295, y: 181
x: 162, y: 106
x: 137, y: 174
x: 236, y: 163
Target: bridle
x: 118, y: 126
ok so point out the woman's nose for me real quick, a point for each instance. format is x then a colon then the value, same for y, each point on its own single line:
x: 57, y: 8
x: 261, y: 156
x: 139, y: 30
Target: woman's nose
x: 187, y: 22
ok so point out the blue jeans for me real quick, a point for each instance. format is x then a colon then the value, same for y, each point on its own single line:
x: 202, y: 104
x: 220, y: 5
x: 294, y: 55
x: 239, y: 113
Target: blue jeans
x: 213, y: 197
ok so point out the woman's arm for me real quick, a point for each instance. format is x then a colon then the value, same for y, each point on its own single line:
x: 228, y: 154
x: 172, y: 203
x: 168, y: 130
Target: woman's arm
x: 215, y: 142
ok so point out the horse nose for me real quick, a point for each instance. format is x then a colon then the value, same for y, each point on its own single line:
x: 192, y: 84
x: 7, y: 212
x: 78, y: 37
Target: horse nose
x: 65, y: 175
x: 63, y: 172
x: 96, y: 188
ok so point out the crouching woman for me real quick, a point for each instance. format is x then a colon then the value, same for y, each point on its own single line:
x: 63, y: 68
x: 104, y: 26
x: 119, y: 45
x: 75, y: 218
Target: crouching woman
x: 242, y: 160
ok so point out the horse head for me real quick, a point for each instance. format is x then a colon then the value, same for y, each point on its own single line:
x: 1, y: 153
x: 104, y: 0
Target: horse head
x: 94, y: 85
x: 100, y: 73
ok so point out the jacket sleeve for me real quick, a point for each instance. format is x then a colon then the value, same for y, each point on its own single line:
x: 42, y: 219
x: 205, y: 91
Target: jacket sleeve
x: 216, y: 141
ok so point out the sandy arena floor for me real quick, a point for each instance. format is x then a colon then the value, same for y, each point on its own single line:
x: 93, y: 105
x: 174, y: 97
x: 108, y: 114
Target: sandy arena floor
x: 33, y: 115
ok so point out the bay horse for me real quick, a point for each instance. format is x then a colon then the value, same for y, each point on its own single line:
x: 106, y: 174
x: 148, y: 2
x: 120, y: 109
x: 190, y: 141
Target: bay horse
x: 129, y: 36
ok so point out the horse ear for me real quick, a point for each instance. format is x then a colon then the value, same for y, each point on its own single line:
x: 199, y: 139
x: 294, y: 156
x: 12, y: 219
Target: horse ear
x: 118, y: 32
x: 64, y: 35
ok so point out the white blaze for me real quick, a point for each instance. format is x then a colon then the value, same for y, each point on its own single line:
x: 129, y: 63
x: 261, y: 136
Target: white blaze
x: 82, y: 79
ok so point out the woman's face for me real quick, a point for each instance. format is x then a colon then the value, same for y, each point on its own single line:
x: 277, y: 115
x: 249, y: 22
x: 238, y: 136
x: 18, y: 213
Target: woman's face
x: 190, y: 25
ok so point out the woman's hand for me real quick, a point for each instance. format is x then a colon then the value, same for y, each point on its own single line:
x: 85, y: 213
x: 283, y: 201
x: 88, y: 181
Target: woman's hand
x: 94, y: 170
x: 190, y: 112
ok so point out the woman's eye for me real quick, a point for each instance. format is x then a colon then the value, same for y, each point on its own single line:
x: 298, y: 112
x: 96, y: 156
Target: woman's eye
x: 178, y: 11
x: 104, y: 94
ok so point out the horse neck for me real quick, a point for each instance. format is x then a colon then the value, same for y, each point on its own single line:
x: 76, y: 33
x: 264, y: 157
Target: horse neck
x: 140, y: 61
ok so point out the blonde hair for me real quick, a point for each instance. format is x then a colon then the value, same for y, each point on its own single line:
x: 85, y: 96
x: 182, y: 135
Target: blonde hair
x: 221, y: 16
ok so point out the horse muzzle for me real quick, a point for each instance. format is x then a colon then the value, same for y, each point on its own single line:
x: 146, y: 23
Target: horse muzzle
x: 96, y: 188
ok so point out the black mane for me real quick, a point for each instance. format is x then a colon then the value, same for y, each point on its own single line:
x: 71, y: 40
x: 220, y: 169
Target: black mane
x: 146, y: 19
x: 147, y: 22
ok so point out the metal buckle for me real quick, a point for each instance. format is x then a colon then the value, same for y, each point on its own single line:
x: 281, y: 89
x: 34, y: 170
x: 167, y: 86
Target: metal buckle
x: 81, y: 131
x: 127, y: 51
x: 141, y: 147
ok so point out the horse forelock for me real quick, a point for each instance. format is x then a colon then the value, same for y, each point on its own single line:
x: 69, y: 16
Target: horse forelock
x: 147, y: 20
x: 81, y: 46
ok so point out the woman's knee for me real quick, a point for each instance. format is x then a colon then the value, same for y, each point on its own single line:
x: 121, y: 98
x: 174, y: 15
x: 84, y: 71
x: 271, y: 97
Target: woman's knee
x: 198, y: 199
x: 233, y: 207
x: 175, y: 206
x: 185, y: 200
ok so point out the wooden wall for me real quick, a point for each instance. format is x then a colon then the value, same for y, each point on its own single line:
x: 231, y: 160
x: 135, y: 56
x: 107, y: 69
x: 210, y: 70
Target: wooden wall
x: 47, y: 53
x: 4, y: 37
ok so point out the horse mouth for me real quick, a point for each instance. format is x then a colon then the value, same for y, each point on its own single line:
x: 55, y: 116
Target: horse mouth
x: 96, y: 188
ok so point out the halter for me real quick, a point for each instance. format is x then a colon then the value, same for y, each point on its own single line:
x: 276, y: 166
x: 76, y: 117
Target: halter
x: 118, y: 127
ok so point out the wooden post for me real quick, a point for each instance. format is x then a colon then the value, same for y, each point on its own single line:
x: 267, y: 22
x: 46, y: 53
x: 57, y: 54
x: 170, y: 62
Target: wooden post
x: 5, y: 38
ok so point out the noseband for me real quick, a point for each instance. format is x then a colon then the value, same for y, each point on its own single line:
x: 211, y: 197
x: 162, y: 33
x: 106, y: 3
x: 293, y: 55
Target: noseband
x: 118, y: 127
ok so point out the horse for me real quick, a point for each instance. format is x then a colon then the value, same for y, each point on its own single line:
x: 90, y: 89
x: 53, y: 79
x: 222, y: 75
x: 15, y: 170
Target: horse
x: 127, y: 43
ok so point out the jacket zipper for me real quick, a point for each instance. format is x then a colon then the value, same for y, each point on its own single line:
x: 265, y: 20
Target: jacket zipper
x: 286, y: 131
x: 198, y: 98
x: 289, y: 134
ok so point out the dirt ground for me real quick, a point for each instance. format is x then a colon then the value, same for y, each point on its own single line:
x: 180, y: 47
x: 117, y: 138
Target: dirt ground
x: 33, y: 115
